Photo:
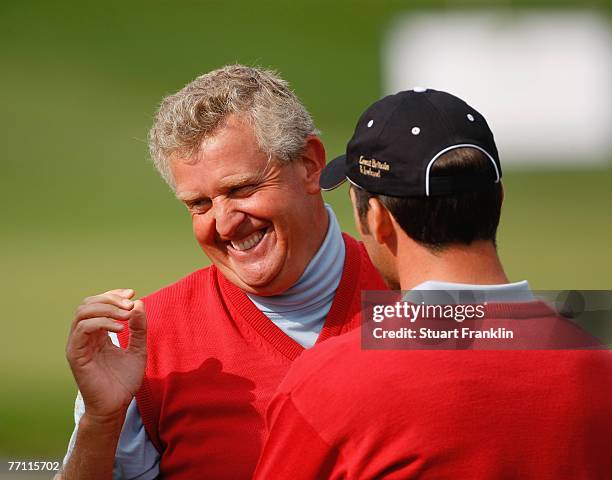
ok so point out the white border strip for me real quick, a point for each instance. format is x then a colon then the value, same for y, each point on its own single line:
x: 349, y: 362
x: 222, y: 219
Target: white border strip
x: 452, y: 147
x: 329, y: 189
x: 353, y: 183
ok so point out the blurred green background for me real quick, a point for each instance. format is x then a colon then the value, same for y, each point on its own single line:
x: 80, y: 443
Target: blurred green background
x: 83, y: 210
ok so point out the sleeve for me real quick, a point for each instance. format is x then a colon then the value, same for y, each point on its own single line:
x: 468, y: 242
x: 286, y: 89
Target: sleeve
x: 136, y: 457
x: 79, y: 410
x: 294, y: 449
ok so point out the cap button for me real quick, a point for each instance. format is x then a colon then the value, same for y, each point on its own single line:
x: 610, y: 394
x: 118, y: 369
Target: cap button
x: 419, y: 89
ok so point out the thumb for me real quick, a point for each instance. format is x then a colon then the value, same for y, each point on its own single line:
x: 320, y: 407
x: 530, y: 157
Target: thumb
x: 138, y: 328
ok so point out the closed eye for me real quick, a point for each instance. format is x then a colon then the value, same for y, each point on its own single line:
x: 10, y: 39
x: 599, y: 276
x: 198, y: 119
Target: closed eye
x: 199, y: 205
x: 242, y: 191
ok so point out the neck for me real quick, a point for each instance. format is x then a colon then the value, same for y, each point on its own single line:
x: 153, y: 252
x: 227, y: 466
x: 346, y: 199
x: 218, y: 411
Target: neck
x: 320, y: 277
x: 476, y: 264
x: 317, y: 227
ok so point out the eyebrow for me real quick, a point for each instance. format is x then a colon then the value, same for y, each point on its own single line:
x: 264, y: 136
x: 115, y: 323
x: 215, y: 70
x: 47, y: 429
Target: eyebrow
x: 187, y: 196
x: 238, y: 181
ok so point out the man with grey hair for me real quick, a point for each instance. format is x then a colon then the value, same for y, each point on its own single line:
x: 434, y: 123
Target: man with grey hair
x: 180, y: 391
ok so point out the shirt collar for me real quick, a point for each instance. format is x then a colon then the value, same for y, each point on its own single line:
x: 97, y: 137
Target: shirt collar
x: 505, y: 292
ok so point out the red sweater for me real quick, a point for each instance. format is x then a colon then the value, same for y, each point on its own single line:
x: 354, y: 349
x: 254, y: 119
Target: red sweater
x: 214, y: 361
x: 346, y: 413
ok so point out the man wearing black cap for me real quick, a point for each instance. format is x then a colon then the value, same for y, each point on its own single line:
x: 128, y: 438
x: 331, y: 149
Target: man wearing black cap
x: 426, y: 191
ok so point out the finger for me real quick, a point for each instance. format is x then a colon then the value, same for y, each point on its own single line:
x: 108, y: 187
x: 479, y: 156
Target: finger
x: 123, y: 292
x: 85, y: 309
x: 138, y: 328
x: 80, y: 337
x: 112, y: 298
x: 101, y: 310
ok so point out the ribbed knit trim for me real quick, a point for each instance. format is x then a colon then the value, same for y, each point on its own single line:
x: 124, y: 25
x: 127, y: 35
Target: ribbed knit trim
x: 144, y: 400
x: 339, y: 313
x: 336, y: 318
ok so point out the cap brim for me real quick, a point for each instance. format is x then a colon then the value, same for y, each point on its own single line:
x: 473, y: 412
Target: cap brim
x: 334, y: 174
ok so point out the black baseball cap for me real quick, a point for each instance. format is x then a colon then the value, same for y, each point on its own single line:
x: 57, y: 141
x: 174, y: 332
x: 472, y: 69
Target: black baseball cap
x: 399, y: 138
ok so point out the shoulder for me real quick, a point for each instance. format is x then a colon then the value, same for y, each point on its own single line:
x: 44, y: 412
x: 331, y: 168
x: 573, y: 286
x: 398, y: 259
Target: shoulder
x: 325, y: 366
x: 330, y: 378
x: 174, y: 310
x: 189, y: 299
x: 188, y: 287
x: 353, y: 244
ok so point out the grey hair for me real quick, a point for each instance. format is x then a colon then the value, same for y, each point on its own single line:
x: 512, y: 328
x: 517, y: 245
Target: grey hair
x: 280, y: 122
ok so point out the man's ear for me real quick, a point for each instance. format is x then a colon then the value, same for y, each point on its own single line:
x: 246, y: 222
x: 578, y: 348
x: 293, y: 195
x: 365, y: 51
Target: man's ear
x: 380, y: 222
x: 313, y: 163
x: 358, y: 223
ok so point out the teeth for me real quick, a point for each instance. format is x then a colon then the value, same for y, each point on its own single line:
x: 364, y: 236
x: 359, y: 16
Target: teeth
x: 248, y: 242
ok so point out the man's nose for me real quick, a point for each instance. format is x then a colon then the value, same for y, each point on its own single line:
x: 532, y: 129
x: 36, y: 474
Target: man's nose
x: 227, y: 219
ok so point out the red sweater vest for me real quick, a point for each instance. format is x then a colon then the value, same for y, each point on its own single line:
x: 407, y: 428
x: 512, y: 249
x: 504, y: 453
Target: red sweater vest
x: 347, y: 413
x: 214, y: 361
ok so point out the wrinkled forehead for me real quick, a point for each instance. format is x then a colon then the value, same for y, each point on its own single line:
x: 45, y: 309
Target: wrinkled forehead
x: 210, y: 178
x: 232, y: 131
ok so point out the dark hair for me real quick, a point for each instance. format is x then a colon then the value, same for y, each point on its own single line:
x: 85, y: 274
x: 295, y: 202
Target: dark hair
x: 439, y: 221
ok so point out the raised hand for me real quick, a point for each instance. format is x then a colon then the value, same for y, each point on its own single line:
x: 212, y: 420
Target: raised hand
x: 107, y: 376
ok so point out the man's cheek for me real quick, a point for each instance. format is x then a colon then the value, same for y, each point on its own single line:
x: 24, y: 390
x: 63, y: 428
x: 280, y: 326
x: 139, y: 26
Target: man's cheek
x: 203, y: 231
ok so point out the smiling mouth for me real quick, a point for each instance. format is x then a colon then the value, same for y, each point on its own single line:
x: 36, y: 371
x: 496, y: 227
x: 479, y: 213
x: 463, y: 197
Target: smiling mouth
x: 249, y: 242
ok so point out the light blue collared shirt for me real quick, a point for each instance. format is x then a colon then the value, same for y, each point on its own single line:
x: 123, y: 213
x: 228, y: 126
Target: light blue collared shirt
x: 505, y: 292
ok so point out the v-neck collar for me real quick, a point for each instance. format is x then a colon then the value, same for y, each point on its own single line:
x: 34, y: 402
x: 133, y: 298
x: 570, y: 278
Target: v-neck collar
x: 335, y: 321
